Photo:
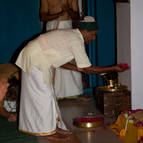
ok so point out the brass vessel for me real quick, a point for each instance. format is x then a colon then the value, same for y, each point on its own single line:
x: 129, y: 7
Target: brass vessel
x: 89, y: 124
x: 111, y: 82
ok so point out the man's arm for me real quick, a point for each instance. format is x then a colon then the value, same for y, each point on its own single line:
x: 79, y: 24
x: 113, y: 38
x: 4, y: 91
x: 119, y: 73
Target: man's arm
x: 99, y: 70
x: 74, y: 10
x: 43, y: 10
x: 94, y: 69
x: 70, y: 66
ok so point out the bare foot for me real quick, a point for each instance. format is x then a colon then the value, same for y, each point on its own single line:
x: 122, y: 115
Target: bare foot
x: 58, y: 137
x: 64, y: 132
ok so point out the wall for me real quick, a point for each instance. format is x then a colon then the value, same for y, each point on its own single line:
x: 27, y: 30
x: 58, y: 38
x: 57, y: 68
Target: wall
x: 19, y: 22
x: 137, y: 53
x: 123, y: 40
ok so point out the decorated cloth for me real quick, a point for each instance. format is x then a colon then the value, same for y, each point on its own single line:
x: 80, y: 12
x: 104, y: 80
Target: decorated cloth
x: 62, y: 85
x: 39, y: 112
x: 129, y: 126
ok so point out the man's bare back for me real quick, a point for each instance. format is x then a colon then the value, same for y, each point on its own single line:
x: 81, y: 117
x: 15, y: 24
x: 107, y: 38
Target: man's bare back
x: 58, y: 9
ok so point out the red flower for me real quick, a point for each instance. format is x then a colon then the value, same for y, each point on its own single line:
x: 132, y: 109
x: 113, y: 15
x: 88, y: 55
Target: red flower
x: 88, y: 119
x: 124, y: 66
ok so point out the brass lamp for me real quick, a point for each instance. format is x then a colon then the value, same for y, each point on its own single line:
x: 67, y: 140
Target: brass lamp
x: 111, y: 82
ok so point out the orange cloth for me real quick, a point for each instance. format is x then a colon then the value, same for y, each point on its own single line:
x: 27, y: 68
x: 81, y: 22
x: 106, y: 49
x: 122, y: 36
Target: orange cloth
x: 133, y: 133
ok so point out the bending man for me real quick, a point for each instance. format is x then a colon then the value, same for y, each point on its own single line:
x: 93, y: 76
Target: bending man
x: 39, y: 112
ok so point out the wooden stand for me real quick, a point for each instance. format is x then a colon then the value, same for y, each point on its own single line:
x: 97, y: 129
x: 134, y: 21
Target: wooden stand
x: 112, y: 103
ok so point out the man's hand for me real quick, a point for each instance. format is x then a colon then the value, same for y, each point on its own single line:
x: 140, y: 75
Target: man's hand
x: 121, y: 68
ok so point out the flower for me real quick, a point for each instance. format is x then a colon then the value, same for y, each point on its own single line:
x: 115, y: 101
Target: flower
x: 87, y: 119
x: 124, y: 66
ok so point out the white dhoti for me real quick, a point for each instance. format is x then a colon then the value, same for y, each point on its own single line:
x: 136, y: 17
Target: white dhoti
x: 67, y: 83
x: 39, y: 113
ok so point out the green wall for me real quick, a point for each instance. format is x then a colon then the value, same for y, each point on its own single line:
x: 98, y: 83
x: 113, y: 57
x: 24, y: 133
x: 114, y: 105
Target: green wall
x: 19, y: 22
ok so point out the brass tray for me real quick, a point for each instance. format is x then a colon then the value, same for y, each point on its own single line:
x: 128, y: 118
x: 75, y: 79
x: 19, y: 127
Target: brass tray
x: 89, y: 124
x: 112, y: 89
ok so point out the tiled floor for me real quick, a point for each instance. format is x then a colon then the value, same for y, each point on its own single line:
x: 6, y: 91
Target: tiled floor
x: 71, y: 109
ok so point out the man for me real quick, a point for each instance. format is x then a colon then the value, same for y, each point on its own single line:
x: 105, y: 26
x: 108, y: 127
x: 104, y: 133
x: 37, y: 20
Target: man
x: 3, y: 112
x: 62, y: 14
x: 39, y: 112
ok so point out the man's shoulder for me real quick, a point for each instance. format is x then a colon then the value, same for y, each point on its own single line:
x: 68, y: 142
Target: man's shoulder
x: 62, y: 31
x: 64, y: 34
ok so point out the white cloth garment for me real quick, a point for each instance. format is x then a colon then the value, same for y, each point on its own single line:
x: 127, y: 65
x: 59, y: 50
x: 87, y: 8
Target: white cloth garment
x: 39, y: 111
x: 65, y: 80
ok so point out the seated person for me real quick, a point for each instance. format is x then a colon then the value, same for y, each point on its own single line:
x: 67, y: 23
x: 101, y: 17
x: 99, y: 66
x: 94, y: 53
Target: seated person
x: 3, y: 112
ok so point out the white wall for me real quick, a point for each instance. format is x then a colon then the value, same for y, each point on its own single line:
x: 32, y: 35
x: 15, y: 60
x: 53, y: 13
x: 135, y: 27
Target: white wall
x: 130, y: 47
x: 123, y: 40
x: 137, y: 53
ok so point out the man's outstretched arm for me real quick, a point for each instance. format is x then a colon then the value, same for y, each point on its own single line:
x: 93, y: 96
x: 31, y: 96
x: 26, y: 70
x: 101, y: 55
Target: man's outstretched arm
x: 99, y: 70
x: 71, y: 66
x: 93, y: 69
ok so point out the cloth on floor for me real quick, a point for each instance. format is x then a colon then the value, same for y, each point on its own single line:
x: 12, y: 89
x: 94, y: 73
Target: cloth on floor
x: 129, y: 126
x: 9, y: 133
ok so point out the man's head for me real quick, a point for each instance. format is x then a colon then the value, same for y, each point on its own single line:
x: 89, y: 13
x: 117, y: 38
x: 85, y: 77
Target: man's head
x: 88, y: 29
x: 88, y: 35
